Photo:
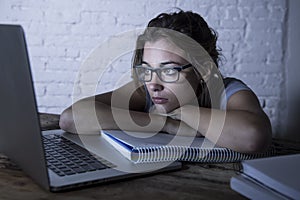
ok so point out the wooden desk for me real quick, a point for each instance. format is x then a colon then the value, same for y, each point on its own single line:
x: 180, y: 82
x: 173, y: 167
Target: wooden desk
x: 194, y: 181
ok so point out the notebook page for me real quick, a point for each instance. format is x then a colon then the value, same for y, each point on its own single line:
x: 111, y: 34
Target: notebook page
x: 138, y: 139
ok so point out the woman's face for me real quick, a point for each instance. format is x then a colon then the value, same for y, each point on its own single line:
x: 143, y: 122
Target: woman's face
x: 169, y: 96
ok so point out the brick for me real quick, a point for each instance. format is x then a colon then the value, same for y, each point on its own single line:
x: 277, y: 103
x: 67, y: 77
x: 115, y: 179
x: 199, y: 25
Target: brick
x: 233, y: 24
x: 252, y: 3
x: 53, y: 76
x: 232, y: 13
x: 122, y: 64
x: 25, y: 14
x: 40, y: 89
x: 216, y: 17
x: 259, y: 67
x: 76, y: 41
x: 272, y: 102
x: 255, y: 55
x: 35, y: 28
x: 276, y: 55
x: 92, y: 77
x: 53, y: 101
x: 61, y: 16
x: 268, y: 39
x: 59, y: 89
x: 34, y: 41
x: 66, y: 5
x: 229, y: 3
x: 229, y: 35
x: 91, y: 17
x: 278, y: 13
x: 90, y: 30
x: 29, y: 4
x: 278, y: 3
x: 38, y: 62
x: 227, y: 70
x: 72, y: 53
x: 196, y: 3
x: 47, y: 51
x: 266, y: 91
x: 134, y: 19
x: 57, y: 29
x: 266, y: 25
x: 274, y: 80
x: 153, y: 8
x: 253, y: 79
x: 260, y: 13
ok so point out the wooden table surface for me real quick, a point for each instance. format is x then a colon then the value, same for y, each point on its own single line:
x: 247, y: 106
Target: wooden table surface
x: 194, y: 181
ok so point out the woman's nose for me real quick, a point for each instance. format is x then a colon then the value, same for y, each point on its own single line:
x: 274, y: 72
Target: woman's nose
x: 155, y: 83
x: 155, y: 87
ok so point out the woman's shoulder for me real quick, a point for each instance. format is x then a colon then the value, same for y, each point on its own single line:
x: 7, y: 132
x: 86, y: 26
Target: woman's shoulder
x: 233, y: 81
x: 233, y: 85
x: 230, y: 83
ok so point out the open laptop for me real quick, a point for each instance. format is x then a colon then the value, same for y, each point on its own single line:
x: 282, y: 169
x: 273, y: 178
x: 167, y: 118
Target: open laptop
x: 55, y: 159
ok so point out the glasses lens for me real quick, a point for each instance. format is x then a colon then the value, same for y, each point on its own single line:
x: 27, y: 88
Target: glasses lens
x: 169, y: 75
x: 143, y: 73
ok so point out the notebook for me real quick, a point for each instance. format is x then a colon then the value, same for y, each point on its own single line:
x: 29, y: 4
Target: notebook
x: 56, y: 160
x: 274, y: 178
x: 161, y: 147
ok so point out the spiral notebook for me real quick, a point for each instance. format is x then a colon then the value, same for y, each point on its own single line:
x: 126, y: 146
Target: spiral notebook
x: 146, y: 147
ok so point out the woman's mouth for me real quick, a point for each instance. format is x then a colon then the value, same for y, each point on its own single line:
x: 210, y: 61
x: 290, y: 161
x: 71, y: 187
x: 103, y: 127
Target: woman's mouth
x: 159, y: 100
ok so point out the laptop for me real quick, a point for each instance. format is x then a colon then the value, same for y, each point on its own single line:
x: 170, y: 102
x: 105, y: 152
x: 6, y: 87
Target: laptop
x: 56, y: 160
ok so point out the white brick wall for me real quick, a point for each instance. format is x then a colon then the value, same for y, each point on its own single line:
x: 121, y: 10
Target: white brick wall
x: 60, y: 34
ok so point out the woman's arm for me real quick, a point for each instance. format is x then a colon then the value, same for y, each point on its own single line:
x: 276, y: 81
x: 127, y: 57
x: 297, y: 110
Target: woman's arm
x: 89, y: 115
x: 243, y: 127
x: 112, y: 111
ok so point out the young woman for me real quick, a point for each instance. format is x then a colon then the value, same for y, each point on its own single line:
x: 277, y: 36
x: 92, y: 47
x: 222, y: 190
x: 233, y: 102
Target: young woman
x: 177, y: 89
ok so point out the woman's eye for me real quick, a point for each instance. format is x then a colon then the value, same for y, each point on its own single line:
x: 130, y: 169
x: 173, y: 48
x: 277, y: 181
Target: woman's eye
x: 169, y: 71
x: 147, y: 72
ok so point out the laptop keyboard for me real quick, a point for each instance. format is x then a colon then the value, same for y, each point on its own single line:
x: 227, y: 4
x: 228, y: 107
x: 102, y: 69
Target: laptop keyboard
x: 64, y: 157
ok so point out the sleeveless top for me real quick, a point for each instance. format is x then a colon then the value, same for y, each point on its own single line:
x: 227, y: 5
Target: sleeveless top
x: 231, y: 86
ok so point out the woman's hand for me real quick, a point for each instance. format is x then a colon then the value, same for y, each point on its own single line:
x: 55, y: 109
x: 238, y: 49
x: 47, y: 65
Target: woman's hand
x: 177, y: 127
x: 175, y: 114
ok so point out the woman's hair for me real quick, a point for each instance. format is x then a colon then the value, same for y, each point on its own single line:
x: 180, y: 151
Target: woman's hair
x: 188, y: 23
x: 191, y: 33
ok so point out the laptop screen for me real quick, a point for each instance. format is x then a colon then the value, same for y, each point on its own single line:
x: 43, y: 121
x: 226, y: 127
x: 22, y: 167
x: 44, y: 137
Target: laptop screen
x: 20, y: 137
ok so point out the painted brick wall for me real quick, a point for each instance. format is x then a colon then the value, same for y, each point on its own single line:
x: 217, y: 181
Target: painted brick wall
x: 61, y: 34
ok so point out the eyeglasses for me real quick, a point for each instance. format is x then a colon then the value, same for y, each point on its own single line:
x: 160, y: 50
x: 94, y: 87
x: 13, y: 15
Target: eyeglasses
x: 165, y: 74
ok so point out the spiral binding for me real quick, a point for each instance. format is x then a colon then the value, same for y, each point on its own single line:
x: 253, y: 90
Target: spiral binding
x: 193, y: 154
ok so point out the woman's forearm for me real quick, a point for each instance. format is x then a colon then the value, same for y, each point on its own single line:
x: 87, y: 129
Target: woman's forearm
x: 88, y: 117
x: 239, y: 130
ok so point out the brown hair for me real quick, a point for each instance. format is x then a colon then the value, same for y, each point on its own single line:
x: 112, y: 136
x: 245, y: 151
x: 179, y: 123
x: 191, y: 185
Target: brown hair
x: 190, y: 24
x: 190, y: 32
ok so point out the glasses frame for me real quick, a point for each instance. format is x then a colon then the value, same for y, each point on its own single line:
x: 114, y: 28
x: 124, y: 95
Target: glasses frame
x: 158, y: 71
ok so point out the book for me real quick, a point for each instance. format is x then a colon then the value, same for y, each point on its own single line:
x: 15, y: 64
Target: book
x: 275, y: 176
x: 146, y: 147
